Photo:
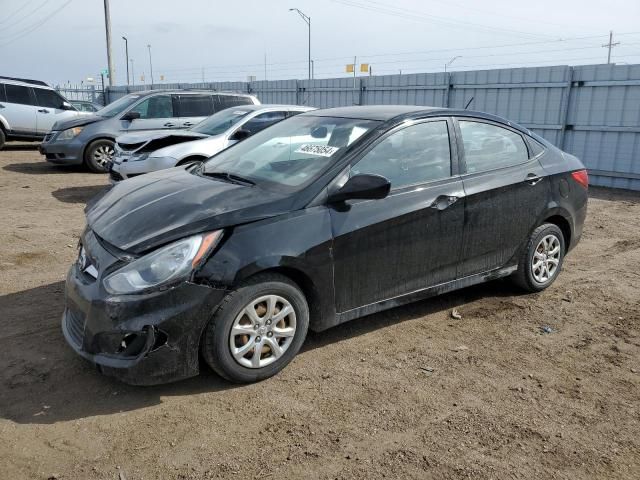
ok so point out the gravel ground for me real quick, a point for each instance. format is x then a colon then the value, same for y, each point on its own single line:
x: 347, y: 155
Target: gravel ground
x: 409, y: 393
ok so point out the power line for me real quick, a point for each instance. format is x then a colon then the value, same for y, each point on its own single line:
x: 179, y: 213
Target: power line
x: 34, y: 27
x: 11, y: 15
x: 27, y: 15
x: 424, y: 17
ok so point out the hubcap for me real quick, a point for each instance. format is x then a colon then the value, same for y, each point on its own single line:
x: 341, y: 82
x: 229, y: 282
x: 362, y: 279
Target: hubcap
x: 546, y: 258
x: 102, y: 154
x: 262, y: 331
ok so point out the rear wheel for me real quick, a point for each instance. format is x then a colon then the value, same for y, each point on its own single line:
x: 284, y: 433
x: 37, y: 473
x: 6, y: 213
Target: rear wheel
x: 542, y: 258
x: 98, y: 155
x: 3, y: 138
x: 257, y: 330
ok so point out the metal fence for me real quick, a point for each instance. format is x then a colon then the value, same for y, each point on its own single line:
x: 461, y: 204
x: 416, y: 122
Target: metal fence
x: 89, y: 93
x: 591, y: 111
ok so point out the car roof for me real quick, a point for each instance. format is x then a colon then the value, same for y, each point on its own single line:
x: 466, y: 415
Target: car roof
x: 25, y: 82
x: 373, y: 112
x: 273, y: 106
x: 188, y: 92
x: 400, y: 112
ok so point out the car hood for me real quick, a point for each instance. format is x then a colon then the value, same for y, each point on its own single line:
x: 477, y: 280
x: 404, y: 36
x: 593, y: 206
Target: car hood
x: 145, y: 212
x: 148, y: 135
x: 78, y: 121
x: 207, y: 147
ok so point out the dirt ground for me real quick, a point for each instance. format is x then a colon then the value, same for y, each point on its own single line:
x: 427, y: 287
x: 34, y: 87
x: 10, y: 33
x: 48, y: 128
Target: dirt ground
x: 409, y: 393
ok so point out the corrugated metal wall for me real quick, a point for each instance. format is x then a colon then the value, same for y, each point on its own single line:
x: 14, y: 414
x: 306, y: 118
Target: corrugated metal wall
x: 590, y: 111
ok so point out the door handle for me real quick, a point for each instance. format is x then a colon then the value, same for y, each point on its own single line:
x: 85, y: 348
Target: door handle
x: 169, y: 124
x: 532, y: 179
x: 43, y: 110
x: 443, y: 201
x: 187, y: 124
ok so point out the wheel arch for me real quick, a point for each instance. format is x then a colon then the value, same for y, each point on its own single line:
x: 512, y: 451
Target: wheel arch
x: 100, y: 137
x: 191, y: 158
x: 564, y: 225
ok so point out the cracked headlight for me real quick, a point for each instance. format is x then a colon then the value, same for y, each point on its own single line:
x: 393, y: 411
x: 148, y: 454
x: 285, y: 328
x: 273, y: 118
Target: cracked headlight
x: 167, y: 265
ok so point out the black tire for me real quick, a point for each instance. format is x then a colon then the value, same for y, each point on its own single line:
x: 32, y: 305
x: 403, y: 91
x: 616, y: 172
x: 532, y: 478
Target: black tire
x: 215, y: 346
x: 524, y: 276
x: 90, y: 155
x: 3, y: 138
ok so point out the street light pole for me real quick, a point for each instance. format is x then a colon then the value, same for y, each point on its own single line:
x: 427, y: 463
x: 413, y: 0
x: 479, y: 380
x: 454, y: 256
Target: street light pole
x: 133, y: 74
x: 150, y: 65
x: 126, y: 52
x: 450, y: 62
x: 307, y: 20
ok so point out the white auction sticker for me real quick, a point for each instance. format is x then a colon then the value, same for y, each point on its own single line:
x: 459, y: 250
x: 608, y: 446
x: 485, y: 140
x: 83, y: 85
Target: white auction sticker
x: 321, y: 150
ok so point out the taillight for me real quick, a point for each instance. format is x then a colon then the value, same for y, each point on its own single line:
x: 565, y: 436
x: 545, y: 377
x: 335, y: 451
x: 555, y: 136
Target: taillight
x: 582, y: 177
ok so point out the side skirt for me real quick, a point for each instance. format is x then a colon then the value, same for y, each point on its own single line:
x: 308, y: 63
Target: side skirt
x: 423, y: 294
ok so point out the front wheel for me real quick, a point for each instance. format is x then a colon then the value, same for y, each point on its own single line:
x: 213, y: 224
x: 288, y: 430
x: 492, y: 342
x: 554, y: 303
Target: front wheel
x: 98, y: 155
x: 542, y: 258
x: 257, y: 329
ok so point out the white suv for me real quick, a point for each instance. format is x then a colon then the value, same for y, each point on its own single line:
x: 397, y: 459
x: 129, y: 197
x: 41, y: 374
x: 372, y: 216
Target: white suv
x: 29, y: 108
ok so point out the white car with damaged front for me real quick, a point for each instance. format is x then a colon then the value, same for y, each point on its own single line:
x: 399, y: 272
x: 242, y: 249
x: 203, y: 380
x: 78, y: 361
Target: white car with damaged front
x: 144, y: 152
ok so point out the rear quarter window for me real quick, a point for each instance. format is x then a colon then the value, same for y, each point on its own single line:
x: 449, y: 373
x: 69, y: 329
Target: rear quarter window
x: 3, y: 97
x: 536, y: 147
x: 18, y: 94
x: 228, y: 101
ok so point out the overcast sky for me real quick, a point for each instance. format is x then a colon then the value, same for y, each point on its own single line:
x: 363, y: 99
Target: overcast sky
x: 64, y: 40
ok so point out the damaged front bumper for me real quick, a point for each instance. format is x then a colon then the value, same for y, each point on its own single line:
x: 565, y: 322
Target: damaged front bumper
x: 142, y: 339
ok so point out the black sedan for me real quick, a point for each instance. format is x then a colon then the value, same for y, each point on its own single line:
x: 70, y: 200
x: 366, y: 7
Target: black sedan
x: 325, y: 217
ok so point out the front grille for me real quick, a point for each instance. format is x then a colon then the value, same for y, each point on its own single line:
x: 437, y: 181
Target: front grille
x: 75, y: 326
x: 115, y: 176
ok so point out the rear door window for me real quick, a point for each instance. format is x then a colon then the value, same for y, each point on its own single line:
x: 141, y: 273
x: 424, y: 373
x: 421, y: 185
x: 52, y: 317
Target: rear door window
x: 48, y: 98
x: 196, y: 105
x: 3, y: 97
x: 18, y: 94
x: 228, y: 101
x: 158, y: 106
x: 487, y: 146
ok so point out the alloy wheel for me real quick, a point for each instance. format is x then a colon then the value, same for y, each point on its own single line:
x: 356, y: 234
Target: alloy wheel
x: 102, y: 154
x: 263, y: 331
x: 546, y: 258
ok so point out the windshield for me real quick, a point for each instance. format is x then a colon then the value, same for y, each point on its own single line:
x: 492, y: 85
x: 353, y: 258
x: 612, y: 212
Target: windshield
x: 118, y: 106
x: 291, y: 153
x: 220, y: 122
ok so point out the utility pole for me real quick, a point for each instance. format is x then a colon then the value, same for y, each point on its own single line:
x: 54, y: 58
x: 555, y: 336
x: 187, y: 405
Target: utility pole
x: 202, y: 74
x: 126, y: 52
x: 150, y: 66
x: 450, y: 62
x: 107, y: 27
x: 313, y: 68
x: 610, y: 45
x: 133, y: 74
x: 265, y: 65
x: 355, y: 60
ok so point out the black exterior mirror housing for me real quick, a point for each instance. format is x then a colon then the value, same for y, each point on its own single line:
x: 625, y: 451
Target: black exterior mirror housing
x: 240, y: 134
x: 362, y: 187
x: 131, y: 115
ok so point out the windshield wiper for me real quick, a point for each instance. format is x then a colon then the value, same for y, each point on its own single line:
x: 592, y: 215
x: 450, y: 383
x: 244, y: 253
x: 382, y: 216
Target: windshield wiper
x: 228, y: 177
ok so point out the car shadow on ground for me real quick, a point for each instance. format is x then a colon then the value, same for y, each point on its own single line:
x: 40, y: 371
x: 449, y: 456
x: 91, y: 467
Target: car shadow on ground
x: 43, y: 381
x: 42, y: 168
x: 78, y: 194
x: 19, y: 147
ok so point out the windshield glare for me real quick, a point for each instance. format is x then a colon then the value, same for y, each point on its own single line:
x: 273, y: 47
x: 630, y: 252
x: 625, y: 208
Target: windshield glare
x: 118, y: 106
x: 220, y: 122
x: 292, y: 153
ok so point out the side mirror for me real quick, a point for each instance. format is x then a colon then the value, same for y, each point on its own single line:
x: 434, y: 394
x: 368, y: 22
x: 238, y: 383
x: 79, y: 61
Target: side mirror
x: 130, y: 116
x: 240, y: 134
x: 66, y: 106
x: 364, y: 187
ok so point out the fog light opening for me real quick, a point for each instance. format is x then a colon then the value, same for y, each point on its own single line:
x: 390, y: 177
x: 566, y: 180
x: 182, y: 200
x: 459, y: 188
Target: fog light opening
x: 131, y: 344
x: 160, y: 340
